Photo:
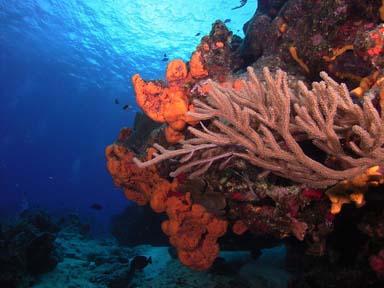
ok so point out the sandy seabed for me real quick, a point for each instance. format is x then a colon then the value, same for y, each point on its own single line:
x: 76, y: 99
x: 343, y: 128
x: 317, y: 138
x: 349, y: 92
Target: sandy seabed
x: 99, y: 263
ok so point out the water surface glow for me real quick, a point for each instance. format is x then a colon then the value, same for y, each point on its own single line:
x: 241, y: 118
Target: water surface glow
x: 103, y: 42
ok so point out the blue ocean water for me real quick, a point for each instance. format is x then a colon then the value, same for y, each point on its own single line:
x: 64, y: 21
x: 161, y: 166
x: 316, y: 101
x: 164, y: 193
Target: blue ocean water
x: 62, y: 65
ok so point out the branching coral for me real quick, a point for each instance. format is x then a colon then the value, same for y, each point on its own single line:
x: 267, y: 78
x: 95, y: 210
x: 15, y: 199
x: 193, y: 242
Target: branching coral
x: 265, y: 123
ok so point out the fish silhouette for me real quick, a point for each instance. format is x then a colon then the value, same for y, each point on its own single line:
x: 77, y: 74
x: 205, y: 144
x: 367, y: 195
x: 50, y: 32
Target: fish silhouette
x: 96, y: 206
x: 165, y: 58
x: 127, y: 107
x: 139, y: 263
x: 242, y: 3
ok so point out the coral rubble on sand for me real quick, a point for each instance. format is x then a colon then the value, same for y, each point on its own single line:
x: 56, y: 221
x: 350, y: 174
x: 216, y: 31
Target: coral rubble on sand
x: 295, y: 155
x: 27, y: 249
x: 40, y: 252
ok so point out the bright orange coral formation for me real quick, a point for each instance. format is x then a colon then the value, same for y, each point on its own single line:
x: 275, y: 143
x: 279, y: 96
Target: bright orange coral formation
x: 193, y: 231
x: 176, y: 71
x: 381, y: 10
x: 137, y: 184
x: 166, y: 102
x: 352, y: 190
x: 197, y: 67
x: 337, y: 52
x: 295, y: 56
x: 366, y: 83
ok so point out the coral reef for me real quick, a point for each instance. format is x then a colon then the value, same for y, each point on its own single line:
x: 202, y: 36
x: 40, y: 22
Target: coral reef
x: 27, y: 249
x: 39, y: 251
x: 163, y: 196
x: 275, y: 154
x: 212, y: 57
x: 339, y: 37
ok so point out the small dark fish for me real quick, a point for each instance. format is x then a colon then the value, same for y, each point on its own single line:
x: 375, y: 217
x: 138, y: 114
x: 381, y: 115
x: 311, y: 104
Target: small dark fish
x: 165, y: 58
x: 242, y: 3
x: 227, y: 20
x: 117, y: 101
x: 255, y: 253
x: 127, y: 107
x: 140, y: 262
x: 172, y: 252
x: 96, y: 206
x: 197, y: 34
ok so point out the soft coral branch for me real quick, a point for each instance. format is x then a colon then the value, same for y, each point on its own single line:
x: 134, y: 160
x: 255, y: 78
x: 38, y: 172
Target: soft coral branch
x: 258, y: 124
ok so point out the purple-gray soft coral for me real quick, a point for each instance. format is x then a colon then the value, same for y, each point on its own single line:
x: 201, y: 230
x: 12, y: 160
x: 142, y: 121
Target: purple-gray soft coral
x: 266, y: 122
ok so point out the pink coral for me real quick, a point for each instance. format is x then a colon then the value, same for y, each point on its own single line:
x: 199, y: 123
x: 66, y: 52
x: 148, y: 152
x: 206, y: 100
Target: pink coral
x: 377, y: 263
